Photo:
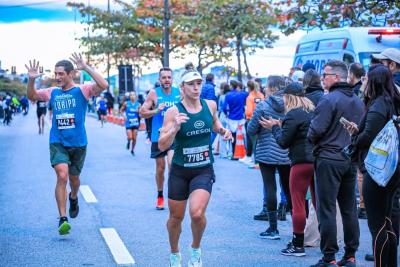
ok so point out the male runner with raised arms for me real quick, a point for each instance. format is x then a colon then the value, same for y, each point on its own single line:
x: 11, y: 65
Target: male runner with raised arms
x: 131, y: 108
x: 41, y: 110
x: 161, y: 98
x: 189, y: 124
x: 68, y: 139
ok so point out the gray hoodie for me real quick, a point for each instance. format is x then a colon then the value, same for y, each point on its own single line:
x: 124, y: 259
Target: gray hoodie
x: 267, y: 150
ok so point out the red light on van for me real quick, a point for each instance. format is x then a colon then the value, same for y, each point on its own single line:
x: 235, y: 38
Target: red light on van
x: 345, y: 41
x: 384, y: 31
x: 297, y: 48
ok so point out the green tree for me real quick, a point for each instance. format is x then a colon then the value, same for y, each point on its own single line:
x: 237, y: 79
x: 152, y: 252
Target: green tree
x: 245, y: 24
x: 322, y: 14
x: 214, y: 30
x: 204, y: 38
x: 111, y: 33
x: 134, y: 33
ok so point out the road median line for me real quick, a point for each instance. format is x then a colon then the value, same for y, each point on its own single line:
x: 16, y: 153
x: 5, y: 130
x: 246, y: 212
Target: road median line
x: 87, y: 194
x: 117, y: 247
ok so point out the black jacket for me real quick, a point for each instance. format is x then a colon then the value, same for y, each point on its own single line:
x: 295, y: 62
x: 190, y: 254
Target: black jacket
x: 378, y: 114
x: 314, y: 94
x: 396, y: 78
x: 356, y: 88
x: 293, y: 135
x: 326, y: 133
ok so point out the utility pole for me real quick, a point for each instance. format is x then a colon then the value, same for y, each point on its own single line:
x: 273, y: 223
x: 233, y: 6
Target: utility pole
x: 88, y: 34
x: 166, y: 34
x: 108, y: 52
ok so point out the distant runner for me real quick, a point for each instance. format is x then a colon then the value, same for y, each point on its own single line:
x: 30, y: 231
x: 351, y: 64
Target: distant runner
x: 41, y: 110
x: 157, y: 102
x: 132, y: 121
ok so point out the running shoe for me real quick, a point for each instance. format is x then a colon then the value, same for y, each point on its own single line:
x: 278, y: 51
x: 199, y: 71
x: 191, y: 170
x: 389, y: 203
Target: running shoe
x: 127, y: 145
x: 195, y: 258
x: 369, y: 257
x: 246, y: 160
x: 253, y: 166
x: 63, y: 226
x: 73, y: 207
x: 270, y: 234
x: 262, y: 216
x: 291, y: 250
x: 323, y: 263
x: 175, y: 260
x: 348, y: 262
x: 362, y: 214
x: 132, y: 153
x: 160, y: 203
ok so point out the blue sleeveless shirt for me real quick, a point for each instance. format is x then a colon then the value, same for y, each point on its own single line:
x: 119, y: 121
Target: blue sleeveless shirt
x: 132, y: 114
x: 102, y: 104
x: 158, y: 119
x: 68, y: 123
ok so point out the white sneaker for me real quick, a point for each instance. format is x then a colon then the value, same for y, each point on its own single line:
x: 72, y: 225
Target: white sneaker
x: 250, y: 163
x: 246, y: 160
x: 175, y: 260
x: 195, y: 258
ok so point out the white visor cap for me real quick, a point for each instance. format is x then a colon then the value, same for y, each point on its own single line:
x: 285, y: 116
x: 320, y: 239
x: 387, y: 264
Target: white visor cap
x: 191, y: 76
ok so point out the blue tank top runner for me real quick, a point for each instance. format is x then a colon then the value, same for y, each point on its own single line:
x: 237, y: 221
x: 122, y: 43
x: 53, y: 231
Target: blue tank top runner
x: 170, y: 100
x: 132, y: 114
x: 68, y: 123
x: 102, y: 104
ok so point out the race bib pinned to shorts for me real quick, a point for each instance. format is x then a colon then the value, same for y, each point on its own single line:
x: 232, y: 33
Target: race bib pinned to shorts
x: 133, y: 122
x: 65, y: 121
x: 196, y: 156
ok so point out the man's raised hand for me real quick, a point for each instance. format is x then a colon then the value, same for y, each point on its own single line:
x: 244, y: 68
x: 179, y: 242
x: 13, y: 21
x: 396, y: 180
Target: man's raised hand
x: 33, y: 69
x: 78, y: 61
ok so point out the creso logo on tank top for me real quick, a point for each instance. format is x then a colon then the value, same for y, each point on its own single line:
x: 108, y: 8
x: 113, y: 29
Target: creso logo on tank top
x: 64, y: 101
x: 198, y: 125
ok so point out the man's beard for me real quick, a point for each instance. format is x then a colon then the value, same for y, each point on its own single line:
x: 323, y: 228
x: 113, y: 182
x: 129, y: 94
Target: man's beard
x: 164, y: 86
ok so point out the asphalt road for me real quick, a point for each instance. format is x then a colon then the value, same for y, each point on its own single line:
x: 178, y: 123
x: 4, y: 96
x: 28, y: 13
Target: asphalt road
x: 124, y: 187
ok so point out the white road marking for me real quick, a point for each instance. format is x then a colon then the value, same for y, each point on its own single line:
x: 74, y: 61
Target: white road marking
x: 116, y: 246
x: 87, y: 194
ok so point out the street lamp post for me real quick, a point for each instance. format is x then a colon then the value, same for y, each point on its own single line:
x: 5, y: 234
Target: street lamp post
x: 166, y: 34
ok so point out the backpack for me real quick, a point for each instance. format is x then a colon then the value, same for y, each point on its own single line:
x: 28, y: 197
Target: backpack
x: 383, y: 154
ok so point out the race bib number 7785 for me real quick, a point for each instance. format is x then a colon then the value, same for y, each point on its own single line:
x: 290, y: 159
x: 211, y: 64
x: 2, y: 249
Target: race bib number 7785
x: 196, y: 156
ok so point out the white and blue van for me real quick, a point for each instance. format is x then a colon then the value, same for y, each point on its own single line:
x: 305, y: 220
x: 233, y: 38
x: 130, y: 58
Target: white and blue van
x: 347, y: 44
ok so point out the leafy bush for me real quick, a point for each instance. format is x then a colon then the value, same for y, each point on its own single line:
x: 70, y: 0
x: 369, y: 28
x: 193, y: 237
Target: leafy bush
x: 14, y: 87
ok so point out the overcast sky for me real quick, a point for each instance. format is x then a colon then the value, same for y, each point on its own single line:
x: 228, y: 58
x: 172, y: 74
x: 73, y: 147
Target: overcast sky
x: 46, y: 30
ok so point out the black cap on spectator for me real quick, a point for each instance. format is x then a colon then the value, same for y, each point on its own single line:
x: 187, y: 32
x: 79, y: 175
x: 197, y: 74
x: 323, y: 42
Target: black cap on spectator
x: 294, y: 89
x: 308, y: 66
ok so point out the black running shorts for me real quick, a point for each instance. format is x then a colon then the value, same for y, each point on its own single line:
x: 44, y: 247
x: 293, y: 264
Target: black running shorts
x: 157, y: 153
x: 132, y: 128
x: 183, y: 181
x: 40, y: 112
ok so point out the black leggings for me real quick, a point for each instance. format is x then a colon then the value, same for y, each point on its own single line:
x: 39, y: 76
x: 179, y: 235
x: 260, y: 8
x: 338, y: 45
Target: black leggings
x: 249, y: 143
x: 378, y: 204
x: 268, y: 174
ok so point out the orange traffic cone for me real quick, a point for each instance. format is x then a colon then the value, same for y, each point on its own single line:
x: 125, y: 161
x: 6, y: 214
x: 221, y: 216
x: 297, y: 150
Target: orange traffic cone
x: 240, y: 151
x: 108, y: 118
x: 121, y: 121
